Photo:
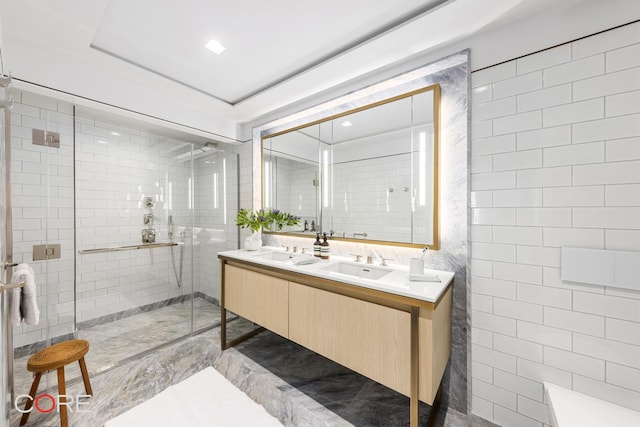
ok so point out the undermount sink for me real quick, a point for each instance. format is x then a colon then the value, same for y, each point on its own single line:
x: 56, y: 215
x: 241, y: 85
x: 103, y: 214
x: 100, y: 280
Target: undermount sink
x: 277, y: 256
x: 358, y: 270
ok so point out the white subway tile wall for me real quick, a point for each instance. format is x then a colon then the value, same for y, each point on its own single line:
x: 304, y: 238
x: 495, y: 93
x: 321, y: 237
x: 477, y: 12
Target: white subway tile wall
x: 115, y: 174
x: 555, y: 162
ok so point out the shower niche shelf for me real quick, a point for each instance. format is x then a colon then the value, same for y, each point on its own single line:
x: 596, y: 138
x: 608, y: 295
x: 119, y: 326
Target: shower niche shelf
x: 127, y: 248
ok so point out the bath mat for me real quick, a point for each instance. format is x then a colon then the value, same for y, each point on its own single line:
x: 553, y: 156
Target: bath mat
x: 205, y: 399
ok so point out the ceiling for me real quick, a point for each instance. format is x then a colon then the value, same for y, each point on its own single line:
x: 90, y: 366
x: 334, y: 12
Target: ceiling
x: 276, y: 41
x: 145, y: 54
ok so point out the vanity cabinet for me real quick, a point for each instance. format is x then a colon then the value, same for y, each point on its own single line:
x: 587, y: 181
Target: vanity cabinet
x: 401, y: 342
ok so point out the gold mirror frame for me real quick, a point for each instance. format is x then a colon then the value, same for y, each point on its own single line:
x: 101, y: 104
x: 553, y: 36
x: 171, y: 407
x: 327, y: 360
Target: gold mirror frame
x: 436, y: 167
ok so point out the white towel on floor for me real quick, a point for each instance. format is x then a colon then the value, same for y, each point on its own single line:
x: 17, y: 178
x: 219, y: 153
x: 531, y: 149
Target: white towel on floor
x: 204, y: 399
x: 23, y: 303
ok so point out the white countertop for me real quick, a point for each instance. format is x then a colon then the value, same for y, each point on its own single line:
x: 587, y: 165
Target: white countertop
x: 573, y: 409
x: 396, y: 282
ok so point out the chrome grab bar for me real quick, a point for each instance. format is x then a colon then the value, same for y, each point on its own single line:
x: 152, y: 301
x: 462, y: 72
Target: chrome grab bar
x: 360, y: 234
x: 127, y: 248
x: 11, y: 285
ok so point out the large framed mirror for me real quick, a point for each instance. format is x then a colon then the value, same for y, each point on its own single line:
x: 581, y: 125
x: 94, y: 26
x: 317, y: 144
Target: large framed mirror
x: 369, y: 174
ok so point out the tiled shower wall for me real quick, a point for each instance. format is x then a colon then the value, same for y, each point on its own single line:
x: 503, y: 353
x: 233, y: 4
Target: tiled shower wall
x: 116, y: 168
x: 555, y: 162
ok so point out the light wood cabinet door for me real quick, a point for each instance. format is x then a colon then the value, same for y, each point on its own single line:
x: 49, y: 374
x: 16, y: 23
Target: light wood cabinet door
x: 258, y: 297
x: 368, y: 338
x: 434, y: 329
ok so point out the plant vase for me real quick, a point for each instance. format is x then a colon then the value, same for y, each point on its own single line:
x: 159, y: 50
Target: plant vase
x: 253, y: 242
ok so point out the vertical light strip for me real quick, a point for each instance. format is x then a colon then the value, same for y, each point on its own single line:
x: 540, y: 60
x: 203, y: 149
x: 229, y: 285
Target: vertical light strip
x: 422, y: 180
x: 325, y: 178
x: 267, y: 184
x: 224, y: 189
x: 190, y: 202
x: 215, y: 190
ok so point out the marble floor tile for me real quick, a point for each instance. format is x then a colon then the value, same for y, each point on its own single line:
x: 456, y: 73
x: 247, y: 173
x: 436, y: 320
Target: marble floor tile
x: 112, y: 342
x: 295, y: 385
x: 313, y: 390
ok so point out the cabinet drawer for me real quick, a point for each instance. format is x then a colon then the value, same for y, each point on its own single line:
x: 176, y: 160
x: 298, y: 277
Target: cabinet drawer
x: 368, y: 338
x: 258, y: 297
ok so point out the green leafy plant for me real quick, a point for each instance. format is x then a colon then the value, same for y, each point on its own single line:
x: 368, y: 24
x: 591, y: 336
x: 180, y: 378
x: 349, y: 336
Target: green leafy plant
x: 255, y: 220
x: 279, y: 219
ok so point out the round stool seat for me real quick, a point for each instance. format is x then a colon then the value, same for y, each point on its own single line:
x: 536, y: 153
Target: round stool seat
x: 58, y: 355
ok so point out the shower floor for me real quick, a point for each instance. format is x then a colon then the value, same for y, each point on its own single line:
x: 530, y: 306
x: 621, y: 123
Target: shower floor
x: 116, y: 341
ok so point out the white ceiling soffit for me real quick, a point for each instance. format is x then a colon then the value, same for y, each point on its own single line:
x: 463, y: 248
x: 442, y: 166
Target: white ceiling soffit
x: 266, y: 44
x: 452, y: 21
x: 280, y: 53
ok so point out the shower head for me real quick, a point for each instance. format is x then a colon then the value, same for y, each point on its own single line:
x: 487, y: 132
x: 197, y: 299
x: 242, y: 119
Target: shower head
x: 208, y: 146
x: 198, y: 151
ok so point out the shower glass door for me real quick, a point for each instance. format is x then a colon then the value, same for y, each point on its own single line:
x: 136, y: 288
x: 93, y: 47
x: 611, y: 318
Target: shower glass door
x: 134, y: 236
x: 42, y: 226
x: 5, y: 347
x: 216, y: 171
x: 153, y: 206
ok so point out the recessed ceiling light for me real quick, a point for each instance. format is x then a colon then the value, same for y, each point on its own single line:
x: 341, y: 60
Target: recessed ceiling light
x: 215, y: 46
x: 114, y: 133
x: 346, y: 123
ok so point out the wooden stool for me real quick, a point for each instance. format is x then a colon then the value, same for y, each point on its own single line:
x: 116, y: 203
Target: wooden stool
x: 57, y: 357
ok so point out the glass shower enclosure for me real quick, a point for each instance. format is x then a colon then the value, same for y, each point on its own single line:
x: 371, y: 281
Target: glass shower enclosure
x: 120, y: 219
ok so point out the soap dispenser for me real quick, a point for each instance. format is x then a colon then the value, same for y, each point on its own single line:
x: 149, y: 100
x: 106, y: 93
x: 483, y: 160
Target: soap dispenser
x: 316, y: 246
x: 324, y: 247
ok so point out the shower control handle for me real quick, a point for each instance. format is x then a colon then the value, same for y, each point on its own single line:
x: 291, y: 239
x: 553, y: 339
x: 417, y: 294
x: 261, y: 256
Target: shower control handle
x: 148, y: 235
